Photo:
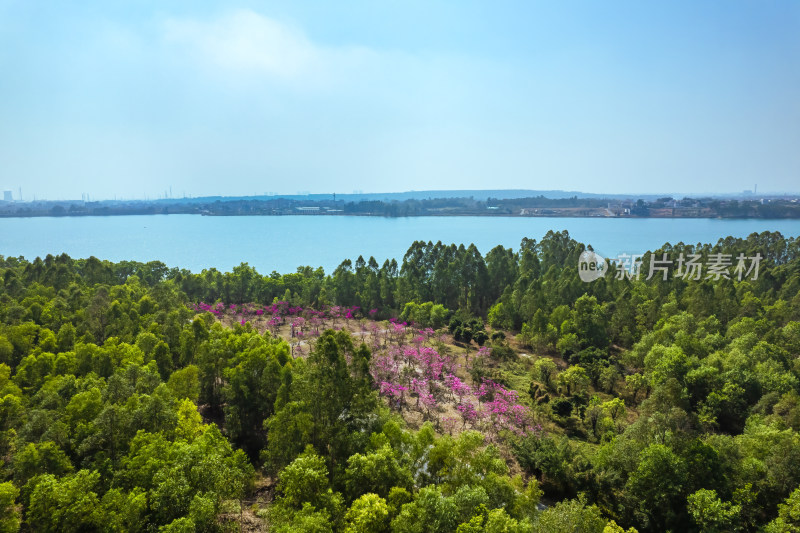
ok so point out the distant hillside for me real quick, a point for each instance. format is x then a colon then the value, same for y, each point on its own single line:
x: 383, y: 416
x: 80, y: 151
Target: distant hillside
x: 479, y: 195
x: 526, y: 203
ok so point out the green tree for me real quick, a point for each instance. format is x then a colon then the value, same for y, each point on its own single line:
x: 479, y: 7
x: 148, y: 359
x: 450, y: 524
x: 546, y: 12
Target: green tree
x: 9, y: 515
x: 41, y: 458
x: 573, y: 380
x: 788, y: 519
x: 250, y: 392
x: 304, y: 480
x: 185, y: 383
x: 303, y: 487
x: 544, y: 371
x: 67, y: 504
x: 377, y: 472
x: 570, y: 516
x: 658, y: 488
x: 368, y: 514
x: 712, y: 514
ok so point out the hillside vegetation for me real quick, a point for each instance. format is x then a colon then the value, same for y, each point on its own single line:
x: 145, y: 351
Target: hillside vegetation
x: 451, y: 392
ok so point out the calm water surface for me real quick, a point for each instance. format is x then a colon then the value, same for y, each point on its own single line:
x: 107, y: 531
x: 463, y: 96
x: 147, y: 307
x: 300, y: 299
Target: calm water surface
x: 283, y: 243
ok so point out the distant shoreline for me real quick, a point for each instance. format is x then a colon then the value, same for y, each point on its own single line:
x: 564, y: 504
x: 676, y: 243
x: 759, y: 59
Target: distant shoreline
x: 540, y: 206
x: 424, y: 215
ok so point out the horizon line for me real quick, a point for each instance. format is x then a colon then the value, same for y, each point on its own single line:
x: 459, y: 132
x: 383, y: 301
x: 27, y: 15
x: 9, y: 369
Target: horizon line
x: 540, y: 192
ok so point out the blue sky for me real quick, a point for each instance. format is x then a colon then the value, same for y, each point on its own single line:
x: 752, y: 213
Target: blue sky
x: 210, y: 98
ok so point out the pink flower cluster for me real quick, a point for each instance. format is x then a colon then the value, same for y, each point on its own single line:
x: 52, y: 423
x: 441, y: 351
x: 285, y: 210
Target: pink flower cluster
x: 419, y: 371
x: 501, y: 407
x: 408, y: 370
x: 393, y: 390
x: 217, y: 309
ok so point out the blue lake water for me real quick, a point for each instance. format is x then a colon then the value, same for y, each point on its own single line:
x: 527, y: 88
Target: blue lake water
x: 284, y: 243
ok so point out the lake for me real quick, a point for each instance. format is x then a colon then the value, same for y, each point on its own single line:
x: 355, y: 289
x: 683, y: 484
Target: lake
x: 286, y: 242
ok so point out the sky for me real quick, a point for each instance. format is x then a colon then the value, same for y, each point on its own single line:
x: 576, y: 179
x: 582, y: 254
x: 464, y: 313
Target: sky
x: 144, y: 99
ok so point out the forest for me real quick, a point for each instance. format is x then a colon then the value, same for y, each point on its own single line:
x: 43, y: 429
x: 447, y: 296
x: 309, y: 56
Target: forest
x: 453, y: 391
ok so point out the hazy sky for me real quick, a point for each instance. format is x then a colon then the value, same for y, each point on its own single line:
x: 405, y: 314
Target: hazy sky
x: 132, y: 98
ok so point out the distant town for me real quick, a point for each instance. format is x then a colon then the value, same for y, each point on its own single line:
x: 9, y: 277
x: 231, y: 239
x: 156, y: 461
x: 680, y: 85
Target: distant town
x: 511, y: 203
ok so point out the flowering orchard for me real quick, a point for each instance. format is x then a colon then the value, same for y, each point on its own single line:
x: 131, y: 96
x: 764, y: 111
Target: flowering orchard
x: 302, y: 326
x: 409, y: 366
x: 416, y: 376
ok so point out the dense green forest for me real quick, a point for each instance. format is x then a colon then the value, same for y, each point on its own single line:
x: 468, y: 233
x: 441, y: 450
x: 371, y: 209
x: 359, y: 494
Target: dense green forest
x: 452, y: 392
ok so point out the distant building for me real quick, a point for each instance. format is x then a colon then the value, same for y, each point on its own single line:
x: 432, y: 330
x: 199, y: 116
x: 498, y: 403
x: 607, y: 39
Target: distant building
x: 7, y: 196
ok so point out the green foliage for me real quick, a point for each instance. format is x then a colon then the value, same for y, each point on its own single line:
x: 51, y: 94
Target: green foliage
x: 304, y: 480
x: 570, y: 516
x: 368, y: 514
x: 788, y: 519
x: 544, y: 371
x: 306, y: 520
x: 252, y: 381
x: 9, y: 515
x: 573, y: 380
x: 190, y: 424
x: 176, y: 473
x: 433, y: 512
x: 185, y: 383
x: 306, y: 499
x: 42, y: 458
x: 179, y: 525
x: 499, y: 317
x: 426, y: 315
x: 712, y: 514
x: 70, y: 504
x: 659, y: 485
x: 467, y: 330
x: 328, y: 401
x: 377, y: 472
x: 676, y: 406
x: 550, y: 459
